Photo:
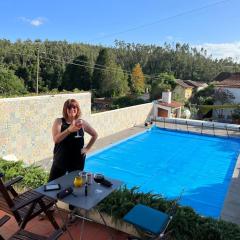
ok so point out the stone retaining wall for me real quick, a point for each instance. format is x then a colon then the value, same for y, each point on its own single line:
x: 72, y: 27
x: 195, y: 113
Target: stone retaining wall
x: 110, y: 122
x: 26, y: 122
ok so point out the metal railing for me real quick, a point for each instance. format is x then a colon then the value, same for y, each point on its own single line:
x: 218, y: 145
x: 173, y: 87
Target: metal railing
x: 203, y: 127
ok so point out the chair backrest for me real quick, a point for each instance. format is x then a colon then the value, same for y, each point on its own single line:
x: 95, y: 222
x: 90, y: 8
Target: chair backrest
x: 25, y: 206
x: 6, y: 202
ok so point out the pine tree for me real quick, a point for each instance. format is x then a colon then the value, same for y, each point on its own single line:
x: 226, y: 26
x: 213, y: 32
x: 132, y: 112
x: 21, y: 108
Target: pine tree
x: 79, y: 75
x: 99, y: 73
x: 109, y: 79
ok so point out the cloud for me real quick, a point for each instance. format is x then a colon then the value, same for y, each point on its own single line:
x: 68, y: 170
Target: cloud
x: 222, y: 50
x: 36, y: 22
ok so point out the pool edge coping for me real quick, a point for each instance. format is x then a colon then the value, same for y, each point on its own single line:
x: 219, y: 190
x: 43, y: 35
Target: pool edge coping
x: 231, y: 206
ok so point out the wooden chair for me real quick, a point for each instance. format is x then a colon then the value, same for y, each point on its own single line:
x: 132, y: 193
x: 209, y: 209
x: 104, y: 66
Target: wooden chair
x: 24, y: 207
x: 26, y: 235
x: 2, y: 221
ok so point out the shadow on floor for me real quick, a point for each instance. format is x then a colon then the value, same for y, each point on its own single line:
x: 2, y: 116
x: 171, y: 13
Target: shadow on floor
x: 92, y: 231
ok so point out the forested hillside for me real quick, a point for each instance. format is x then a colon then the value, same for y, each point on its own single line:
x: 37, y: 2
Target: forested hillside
x: 109, y: 71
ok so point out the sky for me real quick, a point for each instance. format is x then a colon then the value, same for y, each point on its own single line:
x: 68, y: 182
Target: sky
x: 211, y: 24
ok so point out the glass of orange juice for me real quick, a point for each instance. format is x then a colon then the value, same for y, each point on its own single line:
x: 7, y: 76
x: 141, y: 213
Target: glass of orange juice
x: 78, y: 181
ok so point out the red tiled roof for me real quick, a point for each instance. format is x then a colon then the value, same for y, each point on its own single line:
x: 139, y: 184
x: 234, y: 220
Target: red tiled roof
x: 194, y: 84
x: 173, y: 104
x: 182, y: 83
x: 221, y: 76
x: 233, y: 81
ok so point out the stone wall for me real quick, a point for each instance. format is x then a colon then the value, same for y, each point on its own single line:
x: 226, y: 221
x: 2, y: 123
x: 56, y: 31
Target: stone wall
x: 26, y: 122
x: 110, y: 122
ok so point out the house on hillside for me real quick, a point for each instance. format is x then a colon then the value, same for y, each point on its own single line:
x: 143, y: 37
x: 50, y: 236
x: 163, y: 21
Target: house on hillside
x: 184, y: 88
x: 221, y: 76
x: 229, y: 82
x: 196, y: 85
x: 182, y: 91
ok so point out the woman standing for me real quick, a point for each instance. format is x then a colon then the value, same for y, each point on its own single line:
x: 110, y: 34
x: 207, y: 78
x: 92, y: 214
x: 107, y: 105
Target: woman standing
x: 68, y: 136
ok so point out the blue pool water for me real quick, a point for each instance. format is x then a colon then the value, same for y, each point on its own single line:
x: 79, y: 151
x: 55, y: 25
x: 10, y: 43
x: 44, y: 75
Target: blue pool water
x: 166, y: 162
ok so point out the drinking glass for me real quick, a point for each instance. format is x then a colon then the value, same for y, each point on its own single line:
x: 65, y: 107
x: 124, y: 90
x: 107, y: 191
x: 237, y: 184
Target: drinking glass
x: 78, y: 181
x: 78, y: 124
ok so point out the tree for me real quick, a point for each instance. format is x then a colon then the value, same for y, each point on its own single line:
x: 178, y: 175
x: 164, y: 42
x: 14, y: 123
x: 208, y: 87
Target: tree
x: 10, y: 84
x: 204, y: 96
x: 79, y: 75
x: 115, y: 81
x: 167, y: 78
x: 137, y: 80
x: 157, y: 89
x: 99, y: 73
x: 183, y: 61
x: 109, y: 79
x: 223, y: 96
x: 164, y: 82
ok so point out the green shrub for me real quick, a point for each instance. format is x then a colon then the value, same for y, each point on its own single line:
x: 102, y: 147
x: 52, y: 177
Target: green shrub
x: 126, y: 101
x: 11, y: 169
x: 186, y: 224
x: 33, y: 176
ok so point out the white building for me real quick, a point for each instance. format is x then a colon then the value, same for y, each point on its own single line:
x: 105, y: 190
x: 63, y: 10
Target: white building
x: 165, y: 107
x: 231, y: 83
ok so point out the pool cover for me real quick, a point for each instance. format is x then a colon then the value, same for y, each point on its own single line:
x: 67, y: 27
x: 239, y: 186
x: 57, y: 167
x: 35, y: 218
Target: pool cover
x: 166, y: 162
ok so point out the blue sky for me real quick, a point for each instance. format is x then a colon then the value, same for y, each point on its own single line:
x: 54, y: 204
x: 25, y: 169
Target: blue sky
x: 213, y: 24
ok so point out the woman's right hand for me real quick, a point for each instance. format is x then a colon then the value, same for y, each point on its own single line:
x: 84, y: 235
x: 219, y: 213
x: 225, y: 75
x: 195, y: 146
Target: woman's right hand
x: 74, y: 127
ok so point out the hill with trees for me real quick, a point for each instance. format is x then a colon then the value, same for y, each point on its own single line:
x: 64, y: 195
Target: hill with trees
x: 125, y: 68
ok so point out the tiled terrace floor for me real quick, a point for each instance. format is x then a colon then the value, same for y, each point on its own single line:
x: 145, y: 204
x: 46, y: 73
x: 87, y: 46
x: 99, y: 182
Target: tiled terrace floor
x: 92, y: 231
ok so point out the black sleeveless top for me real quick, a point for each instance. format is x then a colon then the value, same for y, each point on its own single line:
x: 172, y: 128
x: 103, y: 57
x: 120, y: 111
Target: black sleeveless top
x: 67, y: 153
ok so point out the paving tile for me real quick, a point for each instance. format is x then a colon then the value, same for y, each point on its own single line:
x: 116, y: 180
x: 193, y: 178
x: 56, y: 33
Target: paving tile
x: 92, y: 231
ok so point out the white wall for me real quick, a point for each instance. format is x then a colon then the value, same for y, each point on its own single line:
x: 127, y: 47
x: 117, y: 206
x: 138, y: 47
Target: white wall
x: 156, y: 106
x: 228, y: 112
x: 236, y: 94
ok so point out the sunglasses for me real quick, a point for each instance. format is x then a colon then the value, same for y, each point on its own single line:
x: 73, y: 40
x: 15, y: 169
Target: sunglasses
x: 72, y: 106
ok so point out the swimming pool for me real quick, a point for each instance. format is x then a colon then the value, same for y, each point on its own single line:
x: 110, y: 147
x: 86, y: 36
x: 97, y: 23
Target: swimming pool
x: 166, y: 162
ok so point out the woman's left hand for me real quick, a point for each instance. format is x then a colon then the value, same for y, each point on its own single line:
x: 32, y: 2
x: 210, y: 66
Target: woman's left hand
x: 84, y: 151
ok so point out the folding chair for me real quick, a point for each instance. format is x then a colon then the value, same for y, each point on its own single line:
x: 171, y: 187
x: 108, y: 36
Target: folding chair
x: 24, y: 207
x: 26, y: 235
x: 150, y: 220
